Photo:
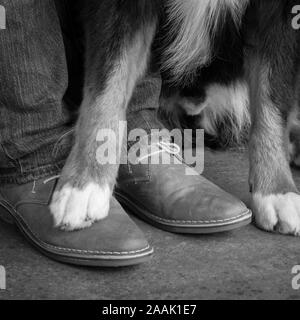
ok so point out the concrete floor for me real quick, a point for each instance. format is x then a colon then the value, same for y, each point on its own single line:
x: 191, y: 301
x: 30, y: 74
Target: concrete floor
x: 244, y: 264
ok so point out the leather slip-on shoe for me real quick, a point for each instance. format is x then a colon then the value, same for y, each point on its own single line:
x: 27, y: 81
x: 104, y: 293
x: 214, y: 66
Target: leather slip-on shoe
x: 113, y: 242
x: 164, y: 196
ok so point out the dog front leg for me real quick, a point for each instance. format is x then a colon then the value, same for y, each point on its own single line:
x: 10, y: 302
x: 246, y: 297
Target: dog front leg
x: 276, y: 201
x: 112, y: 68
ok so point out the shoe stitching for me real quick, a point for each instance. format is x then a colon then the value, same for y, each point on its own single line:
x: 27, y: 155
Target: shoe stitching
x: 78, y: 250
x: 201, y: 221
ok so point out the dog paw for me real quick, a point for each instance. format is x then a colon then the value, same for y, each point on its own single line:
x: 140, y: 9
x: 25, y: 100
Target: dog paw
x: 278, y: 213
x: 75, y: 209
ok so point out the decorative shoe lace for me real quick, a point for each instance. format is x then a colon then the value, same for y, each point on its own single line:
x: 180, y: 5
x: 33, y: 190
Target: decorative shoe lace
x: 164, y: 146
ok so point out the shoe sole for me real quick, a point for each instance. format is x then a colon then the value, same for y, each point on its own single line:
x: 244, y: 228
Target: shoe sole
x: 109, y: 261
x: 243, y: 220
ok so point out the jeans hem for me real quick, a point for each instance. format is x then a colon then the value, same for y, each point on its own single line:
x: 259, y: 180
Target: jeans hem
x: 34, y: 174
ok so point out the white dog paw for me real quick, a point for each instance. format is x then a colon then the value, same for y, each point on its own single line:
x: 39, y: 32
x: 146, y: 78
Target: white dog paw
x: 75, y: 209
x: 278, y: 213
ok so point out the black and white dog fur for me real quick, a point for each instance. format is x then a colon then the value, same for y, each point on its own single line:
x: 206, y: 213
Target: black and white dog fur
x: 230, y: 61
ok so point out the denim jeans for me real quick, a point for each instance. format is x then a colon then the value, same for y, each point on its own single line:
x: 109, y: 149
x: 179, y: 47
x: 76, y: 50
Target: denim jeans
x: 40, y: 73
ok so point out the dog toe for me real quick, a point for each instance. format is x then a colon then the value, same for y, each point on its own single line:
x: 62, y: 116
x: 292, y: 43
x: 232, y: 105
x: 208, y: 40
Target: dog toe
x: 280, y: 213
x: 75, y: 209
